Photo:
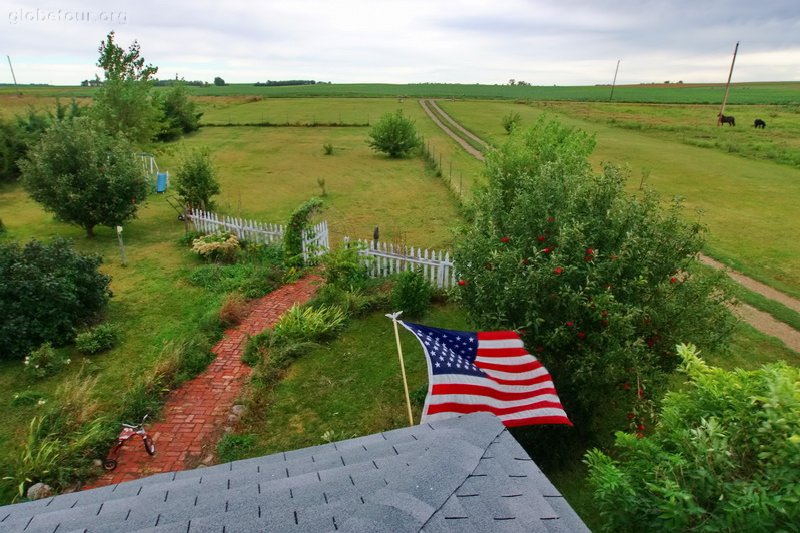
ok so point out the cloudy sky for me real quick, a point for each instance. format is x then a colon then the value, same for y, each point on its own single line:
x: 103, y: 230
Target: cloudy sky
x: 544, y: 42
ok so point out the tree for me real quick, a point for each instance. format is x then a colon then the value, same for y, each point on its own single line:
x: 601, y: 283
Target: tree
x: 724, y: 456
x: 124, y: 103
x: 600, y: 283
x: 85, y: 177
x: 394, y: 135
x: 46, y: 292
x: 511, y: 122
x: 196, y: 180
x: 219, y: 82
x: 180, y: 113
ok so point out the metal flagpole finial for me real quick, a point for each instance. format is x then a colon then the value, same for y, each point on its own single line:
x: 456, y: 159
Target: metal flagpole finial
x: 394, y: 315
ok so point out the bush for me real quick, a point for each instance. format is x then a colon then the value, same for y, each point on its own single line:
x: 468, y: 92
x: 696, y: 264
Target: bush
x: 327, y: 149
x: 342, y: 267
x: 96, y: 340
x: 233, y: 310
x: 394, y: 135
x: 599, y: 283
x: 45, y: 361
x: 511, y: 122
x: 46, y: 292
x: 220, y: 246
x: 723, y: 457
x: 196, y: 180
x: 293, y: 237
x: 412, y: 294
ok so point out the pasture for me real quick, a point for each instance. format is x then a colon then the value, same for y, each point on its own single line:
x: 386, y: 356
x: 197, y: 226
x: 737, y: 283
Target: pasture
x: 748, y: 205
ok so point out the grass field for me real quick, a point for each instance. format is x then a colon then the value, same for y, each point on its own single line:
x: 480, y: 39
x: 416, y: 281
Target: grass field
x: 749, y: 206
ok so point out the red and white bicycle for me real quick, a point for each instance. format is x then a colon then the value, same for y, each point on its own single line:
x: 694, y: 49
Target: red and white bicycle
x: 128, y: 432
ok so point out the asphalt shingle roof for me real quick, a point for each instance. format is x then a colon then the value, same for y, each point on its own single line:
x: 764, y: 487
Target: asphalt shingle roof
x: 460, y: 474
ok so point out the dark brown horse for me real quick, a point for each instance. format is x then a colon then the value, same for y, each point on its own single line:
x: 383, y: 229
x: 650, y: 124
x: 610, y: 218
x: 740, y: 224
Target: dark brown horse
x: 759, y: 124
x: 726, y: 119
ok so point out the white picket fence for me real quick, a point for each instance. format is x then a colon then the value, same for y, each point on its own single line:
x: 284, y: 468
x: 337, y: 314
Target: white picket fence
x: 315, y: 239
x: 384, y: 259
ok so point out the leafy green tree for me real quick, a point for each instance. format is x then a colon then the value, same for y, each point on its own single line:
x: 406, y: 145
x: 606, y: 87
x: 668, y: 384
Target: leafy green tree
x: 394, y: 135
x: 46, y: 292
x: 725, y: 456
x: 219, y: 82
x: 181, y: 114
x: 85, y: 177
x: 124, y: 103
x: 599, y: 282
x: 196, y: 180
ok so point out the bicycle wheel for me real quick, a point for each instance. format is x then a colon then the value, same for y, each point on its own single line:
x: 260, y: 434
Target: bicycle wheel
x: 110, y: 464
x: 149, y: 446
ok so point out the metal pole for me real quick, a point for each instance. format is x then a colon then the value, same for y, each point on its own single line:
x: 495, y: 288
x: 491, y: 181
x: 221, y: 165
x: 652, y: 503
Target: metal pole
x: 727, y: 86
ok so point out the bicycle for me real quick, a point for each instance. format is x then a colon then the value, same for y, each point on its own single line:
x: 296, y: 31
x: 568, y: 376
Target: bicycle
x: 128, y: 432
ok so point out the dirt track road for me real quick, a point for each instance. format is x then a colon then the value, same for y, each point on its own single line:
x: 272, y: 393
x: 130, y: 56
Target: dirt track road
x: 763, y: 322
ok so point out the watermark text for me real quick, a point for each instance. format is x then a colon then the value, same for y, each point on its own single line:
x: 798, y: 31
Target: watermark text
x: 27, y: 16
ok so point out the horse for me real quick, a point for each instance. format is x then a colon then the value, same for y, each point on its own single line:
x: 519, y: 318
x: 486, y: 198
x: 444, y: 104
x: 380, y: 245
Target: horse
x: 726, y: 119
x: 759, y: 124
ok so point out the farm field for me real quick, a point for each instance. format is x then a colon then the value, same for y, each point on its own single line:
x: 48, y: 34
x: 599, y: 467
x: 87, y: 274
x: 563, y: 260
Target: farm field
x: 749, y: 206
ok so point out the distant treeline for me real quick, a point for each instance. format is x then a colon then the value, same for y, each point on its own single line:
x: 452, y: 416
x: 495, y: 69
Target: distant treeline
x: 283, y: 83
x: 157, y: 83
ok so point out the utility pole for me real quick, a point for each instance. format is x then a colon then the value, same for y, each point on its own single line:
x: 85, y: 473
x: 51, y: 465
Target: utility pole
x: 19, y: 93
x: 728, y: 86
x: 614, y: 83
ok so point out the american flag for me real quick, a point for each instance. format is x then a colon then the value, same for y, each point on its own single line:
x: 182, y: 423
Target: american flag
x: 489, y: 371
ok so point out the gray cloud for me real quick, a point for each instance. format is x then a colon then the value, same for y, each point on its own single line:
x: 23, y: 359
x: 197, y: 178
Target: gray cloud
x: 542, y: 41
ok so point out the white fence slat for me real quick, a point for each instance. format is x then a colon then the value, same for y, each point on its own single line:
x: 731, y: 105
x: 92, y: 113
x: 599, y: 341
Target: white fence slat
x: 385, y: 259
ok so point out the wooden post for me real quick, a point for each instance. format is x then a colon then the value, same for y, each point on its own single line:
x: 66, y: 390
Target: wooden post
x: 614, y: 83
x: 121, y: 246
x: 727, y: 86
x: 394, y: 316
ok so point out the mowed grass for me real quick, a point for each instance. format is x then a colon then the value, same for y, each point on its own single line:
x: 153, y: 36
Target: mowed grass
x: 266, y: 173
x: 749, y: 207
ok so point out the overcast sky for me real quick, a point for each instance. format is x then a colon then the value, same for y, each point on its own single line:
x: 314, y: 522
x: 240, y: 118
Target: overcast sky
x: 544, y: 42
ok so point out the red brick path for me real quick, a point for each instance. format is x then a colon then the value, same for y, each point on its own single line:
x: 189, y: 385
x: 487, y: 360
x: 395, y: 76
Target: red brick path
x: 195, y: 414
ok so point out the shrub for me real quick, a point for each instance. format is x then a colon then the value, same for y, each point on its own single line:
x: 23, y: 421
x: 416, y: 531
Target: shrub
x: 412, y: 294
x: 47, y: 291
x: 220, y: 246
x: 45, y: 361
x: 723, y: 457
x: 293, y: 237
x: 511, y: 122
x: 96, y: 340
x: 233, y: 310
x: 196, y: 180
x: 394, y: 135
x: 342, y: 267
x: 308, y: 323
x: 599, y: 282
x: 327, y: 148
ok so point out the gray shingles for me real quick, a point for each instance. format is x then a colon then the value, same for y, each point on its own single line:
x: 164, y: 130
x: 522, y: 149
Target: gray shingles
x: 464, y: 474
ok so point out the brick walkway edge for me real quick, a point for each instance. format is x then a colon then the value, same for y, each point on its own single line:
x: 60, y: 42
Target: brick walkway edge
x: 194, y: 414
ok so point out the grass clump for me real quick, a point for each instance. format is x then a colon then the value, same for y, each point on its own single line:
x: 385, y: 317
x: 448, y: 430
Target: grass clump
x: 98, y: 339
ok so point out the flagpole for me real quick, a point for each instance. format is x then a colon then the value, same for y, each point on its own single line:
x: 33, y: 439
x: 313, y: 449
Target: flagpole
x: 394, y: 316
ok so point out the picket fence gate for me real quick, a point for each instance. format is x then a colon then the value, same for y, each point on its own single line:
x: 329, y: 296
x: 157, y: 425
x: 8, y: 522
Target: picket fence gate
x: 315, y: 239
x: 384, y: 259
